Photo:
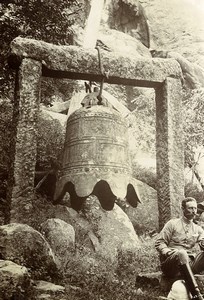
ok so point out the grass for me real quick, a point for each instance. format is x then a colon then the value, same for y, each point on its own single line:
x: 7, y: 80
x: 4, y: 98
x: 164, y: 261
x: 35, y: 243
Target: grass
x: 89, y: 276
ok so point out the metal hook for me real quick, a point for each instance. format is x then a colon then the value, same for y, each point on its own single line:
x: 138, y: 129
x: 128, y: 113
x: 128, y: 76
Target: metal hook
x: 104, y: 74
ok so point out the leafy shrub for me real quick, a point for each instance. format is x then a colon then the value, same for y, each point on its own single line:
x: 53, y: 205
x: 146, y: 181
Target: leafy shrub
x: 36, y: 19
x: 191, y: 190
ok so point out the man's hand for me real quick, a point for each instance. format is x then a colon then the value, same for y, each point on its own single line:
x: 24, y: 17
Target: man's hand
x: 167, y: 251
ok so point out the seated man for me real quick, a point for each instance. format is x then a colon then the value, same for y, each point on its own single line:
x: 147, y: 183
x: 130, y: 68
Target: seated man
x: 175, y: 245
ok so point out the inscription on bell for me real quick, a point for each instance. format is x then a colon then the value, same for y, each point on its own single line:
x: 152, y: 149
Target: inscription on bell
x: 79, y: 154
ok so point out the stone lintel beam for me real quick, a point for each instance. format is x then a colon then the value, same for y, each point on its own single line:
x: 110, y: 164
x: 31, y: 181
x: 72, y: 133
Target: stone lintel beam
x: 169, y: 149
x: 21, y: 191
x: 79, y: 63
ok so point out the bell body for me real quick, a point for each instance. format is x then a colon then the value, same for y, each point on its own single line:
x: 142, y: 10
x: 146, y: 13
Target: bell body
x: 96, y: 157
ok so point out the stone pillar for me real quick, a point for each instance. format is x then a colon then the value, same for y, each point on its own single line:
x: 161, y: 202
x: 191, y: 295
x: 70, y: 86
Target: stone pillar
x: 169, y: 149
x: 23, y: 153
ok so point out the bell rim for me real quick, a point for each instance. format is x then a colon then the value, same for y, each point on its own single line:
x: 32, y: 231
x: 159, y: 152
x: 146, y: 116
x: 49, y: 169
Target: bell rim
x: 84, y: 184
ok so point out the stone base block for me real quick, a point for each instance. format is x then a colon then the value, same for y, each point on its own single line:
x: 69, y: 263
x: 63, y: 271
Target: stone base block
x: 44, y: 290
x: 155, y: 279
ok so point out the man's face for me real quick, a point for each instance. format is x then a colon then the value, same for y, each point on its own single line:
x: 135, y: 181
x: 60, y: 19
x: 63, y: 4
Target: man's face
x: 190, y: 210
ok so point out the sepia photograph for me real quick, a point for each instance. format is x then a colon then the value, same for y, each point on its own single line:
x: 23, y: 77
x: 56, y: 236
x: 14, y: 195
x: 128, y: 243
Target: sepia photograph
x: 101, y: 150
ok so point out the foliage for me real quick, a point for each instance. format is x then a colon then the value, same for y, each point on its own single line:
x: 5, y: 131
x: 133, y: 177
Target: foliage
x: 50, y: 143
x: 100, y: 279
x: 42, y: 210
x: 191, y: 190
x: 193, y: 122
x: 39, y: 19
x: 55, y: 90
x: 144, y: 116
x: 141, y: 119
x: 193, y: 105
x: 36, y: 19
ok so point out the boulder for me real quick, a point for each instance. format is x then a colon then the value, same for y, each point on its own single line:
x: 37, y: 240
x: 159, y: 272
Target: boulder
x: 113, y: 229
x: 23, y: 245
x: 193, y: 74
x: 184, y: 36
x: 83, y: 230
x: 44, y: 290
x: 53, y: 114
x: 127, y: 16
x: 100, y: 231
x: 61, y: 237
x: 121, y: 42
x: 14, y: 280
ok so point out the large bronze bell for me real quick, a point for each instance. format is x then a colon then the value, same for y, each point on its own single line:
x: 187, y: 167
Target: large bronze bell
x: 95, y: 157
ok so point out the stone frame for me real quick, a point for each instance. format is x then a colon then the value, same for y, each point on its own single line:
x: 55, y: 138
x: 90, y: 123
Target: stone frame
x: 36, y: 59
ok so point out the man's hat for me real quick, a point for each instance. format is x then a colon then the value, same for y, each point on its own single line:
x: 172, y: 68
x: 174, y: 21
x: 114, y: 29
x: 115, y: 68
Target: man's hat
x: 201, y: 207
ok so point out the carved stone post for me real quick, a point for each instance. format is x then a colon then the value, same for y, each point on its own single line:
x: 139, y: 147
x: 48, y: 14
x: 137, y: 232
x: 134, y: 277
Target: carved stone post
x: 26, y: 109
x: 170, y: 149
